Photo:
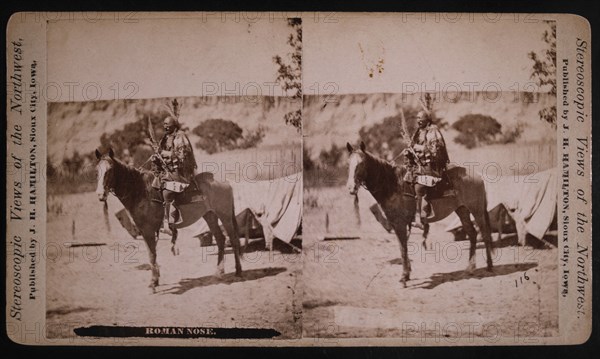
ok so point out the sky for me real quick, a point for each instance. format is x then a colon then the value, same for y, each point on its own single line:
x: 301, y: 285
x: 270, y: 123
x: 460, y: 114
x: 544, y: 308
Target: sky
x: 98, y: 60
x: 423, y: 49
x: 173, y: 56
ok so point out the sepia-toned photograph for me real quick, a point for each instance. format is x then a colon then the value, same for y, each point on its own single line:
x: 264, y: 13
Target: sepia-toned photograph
x: 430, y: 179
x: 298, y: 179
x: 189, y: 189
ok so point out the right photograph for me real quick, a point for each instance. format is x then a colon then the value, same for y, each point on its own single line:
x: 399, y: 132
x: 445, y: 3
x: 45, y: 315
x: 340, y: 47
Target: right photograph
x: 430, y: 177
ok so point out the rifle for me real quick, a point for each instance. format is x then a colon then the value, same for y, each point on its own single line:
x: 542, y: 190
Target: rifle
x: 405, y: 138
x: 156, y: 147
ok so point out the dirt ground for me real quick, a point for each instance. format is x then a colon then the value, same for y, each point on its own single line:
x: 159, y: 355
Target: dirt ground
x: 334, y: 289
x: 352, y: 286
x: 108, y: 284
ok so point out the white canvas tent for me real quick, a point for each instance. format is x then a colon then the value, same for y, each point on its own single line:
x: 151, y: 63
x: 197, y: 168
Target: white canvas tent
x: 276, y: 204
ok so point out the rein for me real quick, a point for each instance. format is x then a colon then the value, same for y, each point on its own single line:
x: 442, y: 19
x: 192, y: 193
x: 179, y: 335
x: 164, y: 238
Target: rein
x: 145, y: 163
x: 363, y: 184
x: 112, y: 191
x: 126, y: 196
x: 150, y: 159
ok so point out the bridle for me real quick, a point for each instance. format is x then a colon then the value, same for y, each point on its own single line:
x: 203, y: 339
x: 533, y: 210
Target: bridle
x: 108, y: 189
x: 363, y: 184
x: 111, y: 190
x: 360, y: 183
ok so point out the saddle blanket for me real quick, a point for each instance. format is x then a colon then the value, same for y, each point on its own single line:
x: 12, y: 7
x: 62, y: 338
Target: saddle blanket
x: 190, y: 196
x: 428, y: 181
x: 175, y: 186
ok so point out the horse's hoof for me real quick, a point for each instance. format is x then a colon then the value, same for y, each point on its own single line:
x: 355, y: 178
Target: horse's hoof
x: 470, y: 268
x: 153, y: 286
x: 403, y: 282
x: 238, y: 274
x: 219, y: 273
x: 490, y: 269
x: 175, y: 250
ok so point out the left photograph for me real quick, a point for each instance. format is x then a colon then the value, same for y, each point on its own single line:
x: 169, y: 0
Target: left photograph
x: 174, y: 196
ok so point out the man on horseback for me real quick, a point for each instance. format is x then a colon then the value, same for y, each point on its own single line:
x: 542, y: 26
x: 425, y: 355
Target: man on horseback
x: 174, y: 165
x: 430, y: 158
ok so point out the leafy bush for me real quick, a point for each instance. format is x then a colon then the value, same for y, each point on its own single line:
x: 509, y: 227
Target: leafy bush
x: 476, y: 129
x: 289, y: 71
x: 307, y: 163
x: 294, y: 118
x: 78, y: 173
x: 543, y: 70
x: 512, y: 134
x: 74, y: 163
x: 73, y: 175
x: 253, y: 138
x: 332, y: 157
x: 218, y: 135
x: 134, y: 136
x: 386, y: 138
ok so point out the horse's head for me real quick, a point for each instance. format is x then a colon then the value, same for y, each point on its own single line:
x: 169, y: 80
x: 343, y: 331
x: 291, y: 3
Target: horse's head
x: 356, y: 169
x: 106, y: 180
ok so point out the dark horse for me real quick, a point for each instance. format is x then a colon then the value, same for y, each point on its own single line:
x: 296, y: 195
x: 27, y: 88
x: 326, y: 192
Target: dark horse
x: 382, y: 180
x: 134, y: 189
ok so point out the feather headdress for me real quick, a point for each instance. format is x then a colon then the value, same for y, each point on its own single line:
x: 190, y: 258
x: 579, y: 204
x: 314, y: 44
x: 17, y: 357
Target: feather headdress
x: 426, y: 102
x: 173, y: 109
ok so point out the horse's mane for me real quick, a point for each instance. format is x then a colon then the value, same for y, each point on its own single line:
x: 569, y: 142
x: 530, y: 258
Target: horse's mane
x: 132, y: 181
x: 383, y: 178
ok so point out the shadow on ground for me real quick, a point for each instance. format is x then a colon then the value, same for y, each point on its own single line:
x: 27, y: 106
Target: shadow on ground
x: 66, y: 310
x: 258, y: 245
x: 187, y: 284
x: 548, y: 241
x: 440, y: 278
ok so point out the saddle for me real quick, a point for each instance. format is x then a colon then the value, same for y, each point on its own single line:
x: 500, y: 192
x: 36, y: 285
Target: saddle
x: 188, y: 193
x: 436, y: 187
x: 443, y: 188
x: 193, y: 193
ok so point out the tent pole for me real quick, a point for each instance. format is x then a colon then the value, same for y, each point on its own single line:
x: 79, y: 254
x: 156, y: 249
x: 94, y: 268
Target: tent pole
x: 298, y: 250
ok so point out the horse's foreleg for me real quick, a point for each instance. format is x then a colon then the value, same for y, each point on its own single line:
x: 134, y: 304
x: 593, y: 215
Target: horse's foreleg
x: 425, y: 234
x: 151, y: 240
x: 402, y: 235
x: 213, y: 225
x: 174, y: 247
x: 465, y: 218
